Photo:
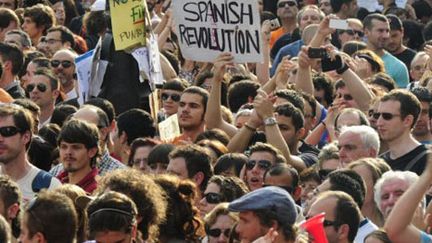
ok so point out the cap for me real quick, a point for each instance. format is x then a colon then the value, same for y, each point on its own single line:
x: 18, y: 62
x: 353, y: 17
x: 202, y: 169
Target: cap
x: 270, y: 197
x: 395, y: 22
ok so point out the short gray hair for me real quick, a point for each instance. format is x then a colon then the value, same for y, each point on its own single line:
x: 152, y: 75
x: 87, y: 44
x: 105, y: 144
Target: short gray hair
x: 368, y: 135
x: 406, y: 176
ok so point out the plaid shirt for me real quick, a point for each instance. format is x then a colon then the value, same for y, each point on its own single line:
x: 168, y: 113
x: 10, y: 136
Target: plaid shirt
x: 104, y: 165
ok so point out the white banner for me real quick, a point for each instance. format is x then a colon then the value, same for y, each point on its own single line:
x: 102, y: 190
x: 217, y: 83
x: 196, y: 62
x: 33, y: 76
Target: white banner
x: 207, y: 28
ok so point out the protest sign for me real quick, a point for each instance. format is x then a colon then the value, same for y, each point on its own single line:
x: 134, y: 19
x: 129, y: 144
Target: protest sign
x: 169, y: 128
x: 207, y: 28
x: 83, y: 65
x: 128, y: 23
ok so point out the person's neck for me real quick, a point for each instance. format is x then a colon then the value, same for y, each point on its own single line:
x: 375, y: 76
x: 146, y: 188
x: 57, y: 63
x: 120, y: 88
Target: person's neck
x: 294, y: 148
x: 281, y: 238
x: 46, y: 113
x: 77, y: 176
x: 289, y: 25
x: 35, y: 39
x: 17, y: 168
x: 424, y: 137
x: 6, y: 80
x: 68, y: 86
x: 401, y: 49
x: 402, y: 145
x: 370, y: 211
x: 192, y: 133
x: 378, y: 51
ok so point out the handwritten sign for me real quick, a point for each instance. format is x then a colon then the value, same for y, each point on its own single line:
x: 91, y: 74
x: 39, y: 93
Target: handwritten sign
x: 169, y: 128
x: 207, y: 28
x: 128, y: 22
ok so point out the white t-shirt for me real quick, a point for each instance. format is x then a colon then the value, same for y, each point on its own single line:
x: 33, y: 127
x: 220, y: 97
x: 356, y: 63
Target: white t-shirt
x: 366, y: 227
x: 25, y: 183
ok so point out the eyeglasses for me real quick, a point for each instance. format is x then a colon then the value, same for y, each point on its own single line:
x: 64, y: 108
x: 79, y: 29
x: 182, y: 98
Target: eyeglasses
x: 284, y: 4
x: 40, y: 86
x: 327, y: 223
x: 9, y: 131
x: 385, y: 115
x: 286, y: 188
x: 213, y: 198
x: 262, y: 164
x: 217, y: 232
x: 65, y: 63
x: 174, y: 97
x: 353, y: 32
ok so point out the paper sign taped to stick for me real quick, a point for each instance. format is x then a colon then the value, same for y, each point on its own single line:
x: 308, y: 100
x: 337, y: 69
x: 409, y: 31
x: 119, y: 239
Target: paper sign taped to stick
x: 128, y: 23
x: 169, y: 128
x: 207, y: 28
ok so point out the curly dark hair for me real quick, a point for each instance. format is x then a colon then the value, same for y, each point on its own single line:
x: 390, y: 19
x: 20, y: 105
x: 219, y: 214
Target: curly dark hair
x: 182, y: 219
x: 145, y: 193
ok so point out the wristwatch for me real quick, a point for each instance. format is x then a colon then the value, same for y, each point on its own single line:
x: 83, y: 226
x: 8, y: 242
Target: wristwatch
x: 270, y: 121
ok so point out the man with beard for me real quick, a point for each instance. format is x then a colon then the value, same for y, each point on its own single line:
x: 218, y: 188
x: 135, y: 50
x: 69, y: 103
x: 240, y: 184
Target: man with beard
x: 395, y: 45
x: 191, y: 111
x: 377, y: 32
x: 79, y: 146
x: 15, y: 135
x: 63, y: 64
x: 422, y: 129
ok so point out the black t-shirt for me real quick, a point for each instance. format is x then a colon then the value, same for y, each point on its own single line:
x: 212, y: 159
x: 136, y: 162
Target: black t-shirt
x: 401, y: 162
x: 406, y: 57
x: 309, y: 154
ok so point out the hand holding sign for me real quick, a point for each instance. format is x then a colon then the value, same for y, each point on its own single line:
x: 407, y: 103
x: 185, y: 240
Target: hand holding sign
x: 220, y: 64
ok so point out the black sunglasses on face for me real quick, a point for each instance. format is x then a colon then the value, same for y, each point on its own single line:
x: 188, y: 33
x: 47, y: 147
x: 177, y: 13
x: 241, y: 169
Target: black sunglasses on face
x: 345, y: 97
x: 217, y: 232
x: 353, y: 32
x: 174, y: 97
x: 65, y: 63
x: 385, y: 115
x: 283, y: 4
x: 262, y: 164
x: 40, y: 86
x: 9, y: 131
x: 213, y: 198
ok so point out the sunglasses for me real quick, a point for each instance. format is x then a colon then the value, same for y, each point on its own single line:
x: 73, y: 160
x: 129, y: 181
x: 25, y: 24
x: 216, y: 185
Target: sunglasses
x: 262, y: 164
x: 284, y: 4
x: 9, y: 131
x: 371, y: 112
x: 40, y: 86
x: 213, y: 198
x: 217, y: 232
x: 385, y: 115
x: 326, y: 222
x: 65, y: 63
x: 353, y: 32
x: 174, y: 97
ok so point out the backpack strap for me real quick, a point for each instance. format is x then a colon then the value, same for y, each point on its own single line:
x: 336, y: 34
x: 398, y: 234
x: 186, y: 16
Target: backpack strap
x: 41, y: 181
x: 416, y: 159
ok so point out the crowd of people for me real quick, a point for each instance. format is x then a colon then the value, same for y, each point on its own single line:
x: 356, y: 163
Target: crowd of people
x: 335, y: 120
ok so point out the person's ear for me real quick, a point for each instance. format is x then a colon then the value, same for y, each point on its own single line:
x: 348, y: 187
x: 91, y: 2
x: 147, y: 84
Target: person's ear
x: 300, y: 133
x: 92, y: 152
x: 198, y: 178
x: 26, y: 137
x: 297, y: 193
x: 343, y: 231
x: 123, y: 137
x: 13, y: 211
x: 408, y: 121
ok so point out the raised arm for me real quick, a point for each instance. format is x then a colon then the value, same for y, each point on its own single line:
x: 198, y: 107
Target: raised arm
x: 398, y: 225
x: 213, y: 116
x: 263, y: 104
x: 262, y: 69
x: 304, y: 78
x: 240, y: 140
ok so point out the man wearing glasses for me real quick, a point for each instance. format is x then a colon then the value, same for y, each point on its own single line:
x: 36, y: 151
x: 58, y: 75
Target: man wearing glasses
x: 43, y: 89
x: 170, y: 96
x: 342, y: 216
x: 397, y: 114
x: 262, y: 157
x: 287, y: 12
x: 15, y: 135
x: 63, y: 65
x: 59, y: 37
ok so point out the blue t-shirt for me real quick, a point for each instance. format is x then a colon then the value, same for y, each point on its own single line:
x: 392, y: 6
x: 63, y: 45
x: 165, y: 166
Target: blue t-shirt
x: 396, y: 69
x: 425, y: 238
